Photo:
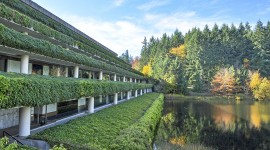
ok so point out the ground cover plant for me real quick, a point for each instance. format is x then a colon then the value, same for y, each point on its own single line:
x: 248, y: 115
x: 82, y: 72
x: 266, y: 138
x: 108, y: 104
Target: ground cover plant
x: 99, y: 130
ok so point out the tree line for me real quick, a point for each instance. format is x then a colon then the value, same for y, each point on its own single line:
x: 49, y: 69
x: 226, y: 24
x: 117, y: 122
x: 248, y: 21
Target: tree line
x: 178, y: 61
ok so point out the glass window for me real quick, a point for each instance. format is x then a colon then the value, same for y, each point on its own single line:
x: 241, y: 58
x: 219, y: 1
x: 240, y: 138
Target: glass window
x: 37, y: 69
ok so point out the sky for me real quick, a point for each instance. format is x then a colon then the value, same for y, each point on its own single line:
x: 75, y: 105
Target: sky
x: 122, y: 25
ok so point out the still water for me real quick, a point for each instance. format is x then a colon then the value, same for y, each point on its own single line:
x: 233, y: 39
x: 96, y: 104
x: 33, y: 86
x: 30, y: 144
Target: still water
x: 198, y: 123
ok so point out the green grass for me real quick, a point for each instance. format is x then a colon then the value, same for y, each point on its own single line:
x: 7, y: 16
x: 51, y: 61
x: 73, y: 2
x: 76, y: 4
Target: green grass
x: 98, y: 131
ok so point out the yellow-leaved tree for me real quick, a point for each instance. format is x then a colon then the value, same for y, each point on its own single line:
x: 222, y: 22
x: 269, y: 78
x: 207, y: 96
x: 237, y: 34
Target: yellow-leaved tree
x: 259, y: 87
x: 147, y: 70
x: 263, y: 92
x: 179, y: 51
x: 255, y: 81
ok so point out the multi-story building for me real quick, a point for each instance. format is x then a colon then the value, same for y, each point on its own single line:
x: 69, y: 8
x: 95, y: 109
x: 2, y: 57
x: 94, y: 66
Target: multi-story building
x: 35, y: 41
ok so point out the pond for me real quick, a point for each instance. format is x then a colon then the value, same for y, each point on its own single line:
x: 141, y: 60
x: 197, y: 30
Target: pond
x: 213, y: 123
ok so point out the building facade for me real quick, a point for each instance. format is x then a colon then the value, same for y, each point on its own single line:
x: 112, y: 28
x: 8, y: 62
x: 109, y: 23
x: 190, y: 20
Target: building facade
x: 34, y: 41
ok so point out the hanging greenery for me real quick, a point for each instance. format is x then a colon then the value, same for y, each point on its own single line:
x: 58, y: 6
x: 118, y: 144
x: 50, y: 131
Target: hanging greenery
x: 35, y: 90
x: 17, y: 17
x: 18, y: 40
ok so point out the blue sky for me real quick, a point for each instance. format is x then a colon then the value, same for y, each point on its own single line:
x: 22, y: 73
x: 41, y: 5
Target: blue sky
x: 123, y: 24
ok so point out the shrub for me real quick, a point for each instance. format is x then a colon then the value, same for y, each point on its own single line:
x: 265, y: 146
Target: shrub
x: 141, y: 134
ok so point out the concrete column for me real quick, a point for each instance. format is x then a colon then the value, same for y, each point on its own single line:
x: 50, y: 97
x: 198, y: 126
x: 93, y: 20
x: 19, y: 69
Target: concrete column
x: 121, y: 95
x: 66, y: 70
x: 124, y: 79
x: 24, y: 64
x: 91, y: 104
x: 24, y: 112
x: 136, y: 93
x: 25, y: 121
x: 94, y: 77
x: 115, y: 101
x: 100, y: 75
x: 114, y: 77
x: 130, y: 79
x: 141, y: 92
x: 58, y: 72
x: 107, y: 99
x: 100, y: 98
x: 135, y: 80
x: 128, y: 95
x: 76, y: 72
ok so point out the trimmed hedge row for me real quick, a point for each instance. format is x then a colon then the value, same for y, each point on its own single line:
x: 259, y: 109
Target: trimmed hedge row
x: 14, y: 39
x: 35, y: 90
x: 98, y: 131
x: 10, y: 14
x: 141, y: 134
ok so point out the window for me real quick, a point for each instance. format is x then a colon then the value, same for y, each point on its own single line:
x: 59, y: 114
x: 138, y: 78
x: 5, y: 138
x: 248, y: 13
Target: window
x: 3, y: 63
x: 37, y: 69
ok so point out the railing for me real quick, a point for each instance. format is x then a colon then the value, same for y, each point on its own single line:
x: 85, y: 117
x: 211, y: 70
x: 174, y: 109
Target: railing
x: 11, y: 137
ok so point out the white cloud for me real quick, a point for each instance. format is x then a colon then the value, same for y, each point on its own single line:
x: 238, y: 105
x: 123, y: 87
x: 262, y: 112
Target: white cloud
x: 118, y: 36
x: 153, y: 4
x: 118, y: 2
x: 183, y: 21
x: 121, y: 35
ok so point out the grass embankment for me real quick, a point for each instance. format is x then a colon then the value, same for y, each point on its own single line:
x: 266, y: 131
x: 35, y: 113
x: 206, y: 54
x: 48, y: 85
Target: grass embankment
x: 130, y: 125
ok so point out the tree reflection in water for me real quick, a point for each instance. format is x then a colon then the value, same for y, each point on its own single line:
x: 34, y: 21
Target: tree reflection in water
x: 197, y: 124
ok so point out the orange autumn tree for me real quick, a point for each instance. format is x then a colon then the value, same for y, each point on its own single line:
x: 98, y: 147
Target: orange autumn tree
x: 224, y: 82
x: 179, y: 51
x: 136, y: 63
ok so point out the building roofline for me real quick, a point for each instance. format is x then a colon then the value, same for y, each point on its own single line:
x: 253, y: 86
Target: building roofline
x: 54, y: 17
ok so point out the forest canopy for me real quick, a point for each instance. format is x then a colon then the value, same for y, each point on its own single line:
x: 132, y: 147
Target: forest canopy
x: 192, y: 60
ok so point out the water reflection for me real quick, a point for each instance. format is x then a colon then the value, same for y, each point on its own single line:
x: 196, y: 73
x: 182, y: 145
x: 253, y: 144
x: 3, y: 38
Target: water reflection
x: 219, y: 125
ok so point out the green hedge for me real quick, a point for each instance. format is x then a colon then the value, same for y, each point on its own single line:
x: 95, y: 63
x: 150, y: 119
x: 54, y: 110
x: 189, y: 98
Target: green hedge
x: 10, y: 14
x: 29, y: 11
x: 14, y: 39
x: 98, y: 131
x: 141, y: 134
x: 35, y: 90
